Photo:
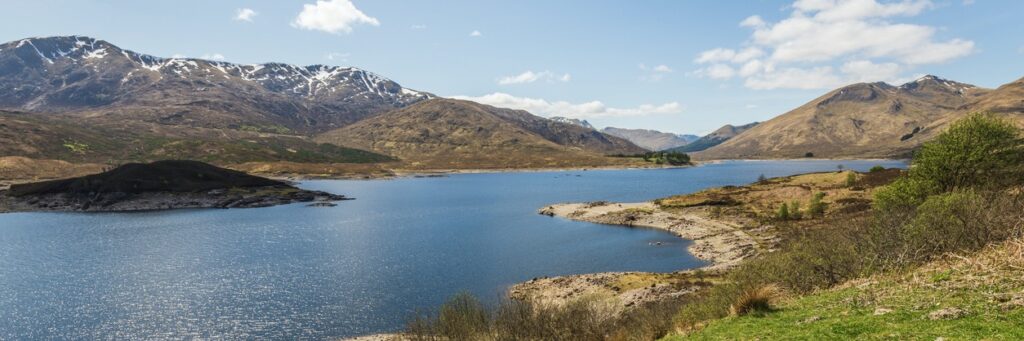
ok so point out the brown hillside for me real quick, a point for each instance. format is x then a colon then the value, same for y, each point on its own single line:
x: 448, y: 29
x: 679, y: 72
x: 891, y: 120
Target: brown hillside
x: 859, y: 120
x: 446, y: 133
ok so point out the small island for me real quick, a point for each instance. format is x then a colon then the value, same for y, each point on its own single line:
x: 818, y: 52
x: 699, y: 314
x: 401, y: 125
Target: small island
x: 161, y: 185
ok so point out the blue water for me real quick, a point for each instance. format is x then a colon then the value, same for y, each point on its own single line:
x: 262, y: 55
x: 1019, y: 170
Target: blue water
x: 362, y: 267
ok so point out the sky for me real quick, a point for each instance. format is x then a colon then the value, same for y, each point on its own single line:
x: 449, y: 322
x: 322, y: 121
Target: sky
x: 676, y: 66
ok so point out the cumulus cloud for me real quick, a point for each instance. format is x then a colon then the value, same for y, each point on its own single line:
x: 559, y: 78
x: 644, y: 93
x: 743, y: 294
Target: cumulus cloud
x: 213, y: 56
x: 654, y: 73
x: 824, y: 43
x: 338, y: 56
x: 590, y: 109
x: 529, y: 77
x: 475, y: 33
x: 245, y: 14
x: 332, y: 16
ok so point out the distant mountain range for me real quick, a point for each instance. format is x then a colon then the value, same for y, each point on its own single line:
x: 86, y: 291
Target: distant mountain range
x: 651, y: 139
x: 870, y: 120
x: 715, y: 138
x: 85, y: 100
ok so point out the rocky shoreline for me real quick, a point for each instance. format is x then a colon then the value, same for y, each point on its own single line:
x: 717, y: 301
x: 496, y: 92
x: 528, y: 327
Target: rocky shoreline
x: 128, y: 202
x: 721, y: 243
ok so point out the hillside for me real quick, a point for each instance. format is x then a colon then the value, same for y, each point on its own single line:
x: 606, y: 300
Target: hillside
x: 859, y: 120
x: 714, y: 138
x: 445, y: 133
x: 1007, y: 101
x: 58, y: 136
x: 650, y: 139
x: 960, y: 298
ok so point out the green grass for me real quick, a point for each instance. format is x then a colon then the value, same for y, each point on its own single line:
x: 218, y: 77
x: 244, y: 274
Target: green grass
x: 849, y: 312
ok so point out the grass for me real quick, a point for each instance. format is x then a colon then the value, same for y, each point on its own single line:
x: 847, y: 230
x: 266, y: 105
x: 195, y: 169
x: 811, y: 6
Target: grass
x: 988, y: 285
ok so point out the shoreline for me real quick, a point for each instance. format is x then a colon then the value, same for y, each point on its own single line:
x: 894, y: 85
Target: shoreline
x: 722, y: 244
x: 718, y: 242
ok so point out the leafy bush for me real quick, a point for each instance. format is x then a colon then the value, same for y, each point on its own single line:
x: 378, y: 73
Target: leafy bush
x: 851, y: 179
x: 980, y: 151
x: 876, y: 168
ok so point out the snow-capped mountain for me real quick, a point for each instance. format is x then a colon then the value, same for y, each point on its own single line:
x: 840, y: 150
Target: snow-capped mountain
x: 75, y: 73
x: 573, y: 121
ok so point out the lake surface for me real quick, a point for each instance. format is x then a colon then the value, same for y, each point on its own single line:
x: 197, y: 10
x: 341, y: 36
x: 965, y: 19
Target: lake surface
x: 362, y: 267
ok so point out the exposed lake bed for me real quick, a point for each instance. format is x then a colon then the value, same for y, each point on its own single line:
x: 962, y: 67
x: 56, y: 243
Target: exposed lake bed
x: 361, y: 267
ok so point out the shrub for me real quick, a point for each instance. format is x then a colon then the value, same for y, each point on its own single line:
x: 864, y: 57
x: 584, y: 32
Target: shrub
x: 876, y: 168
x: 755, y: 300
x: 816, y: 208
x: 783, y: 213
x: 761, y: 179
x: 979, y: 151
x: 794, y: 211
x: 851, y: 179
x: 904, y: 194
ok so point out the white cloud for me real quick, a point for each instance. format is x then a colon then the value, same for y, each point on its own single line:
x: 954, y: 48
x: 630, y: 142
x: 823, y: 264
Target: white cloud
x: 824, y: 43
x: 968, y: 2
x: 214, y: 56
x: 752, y: 21
x: 590, y: 109
x: 245, y: 14
x: 178, y: 56
x: 719, y: 71
x: 795, y: 78
x: 655, y: 73
x: 529, y: 77
x: 662, y: 68
x: 332, y: 16
x: 475, y: 33
x: 338, y: 56
x: 418, y: 27
x: 751, y: 106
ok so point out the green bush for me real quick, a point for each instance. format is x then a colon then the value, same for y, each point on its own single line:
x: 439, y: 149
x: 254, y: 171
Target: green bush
x: 816, y: 208
x: 783, y: 213
x: 876, y: 168
x: 980, y: 151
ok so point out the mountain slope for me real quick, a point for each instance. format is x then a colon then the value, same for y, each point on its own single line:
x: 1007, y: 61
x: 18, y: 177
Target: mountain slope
x: 107, y: 83
x: 576, y: 121
x: 715, y: 138
x: 446, y: 133
x: 649, y: 139
x: 859, y: 120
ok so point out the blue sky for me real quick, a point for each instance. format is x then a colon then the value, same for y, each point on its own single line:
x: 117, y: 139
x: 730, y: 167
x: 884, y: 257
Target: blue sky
x: 679, y: 66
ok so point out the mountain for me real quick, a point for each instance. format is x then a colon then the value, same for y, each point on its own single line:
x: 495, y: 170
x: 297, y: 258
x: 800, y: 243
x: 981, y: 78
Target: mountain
x: 448, y: 133
x: 576, y: 121
x: 859, y: 120
x: 1007, y: 101
x: 650, y: 139
x: 103, y: 82
x: 714, y: 138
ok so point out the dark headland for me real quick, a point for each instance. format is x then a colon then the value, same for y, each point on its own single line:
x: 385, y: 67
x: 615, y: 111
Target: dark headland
x: 168, y: 184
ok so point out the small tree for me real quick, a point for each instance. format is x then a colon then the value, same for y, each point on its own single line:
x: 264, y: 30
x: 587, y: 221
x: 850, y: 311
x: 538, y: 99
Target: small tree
x: 762, y: 179
x: 816, y: 208
x: 783, y: 213
x: 794, y: 211
x: 840, y: 167
x: 851, y: 179
x: 877, y: 168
